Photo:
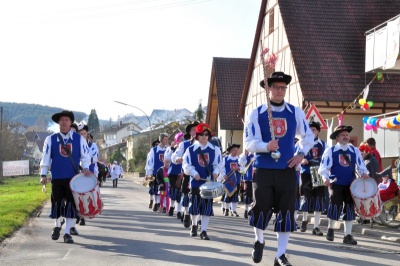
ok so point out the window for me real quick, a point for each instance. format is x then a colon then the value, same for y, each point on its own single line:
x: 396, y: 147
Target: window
x: 271, y: 21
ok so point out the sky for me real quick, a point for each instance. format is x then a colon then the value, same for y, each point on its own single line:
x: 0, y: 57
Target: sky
x: 151, y: 54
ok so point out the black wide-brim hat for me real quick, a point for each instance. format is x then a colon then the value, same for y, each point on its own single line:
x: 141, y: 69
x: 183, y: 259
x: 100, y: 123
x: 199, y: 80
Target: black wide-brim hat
x: 232, y: 146
x: 56, y: 117
x: 339, y: 129
x: 386, y: 172
x: 189, y: 127
x: 277, y: 77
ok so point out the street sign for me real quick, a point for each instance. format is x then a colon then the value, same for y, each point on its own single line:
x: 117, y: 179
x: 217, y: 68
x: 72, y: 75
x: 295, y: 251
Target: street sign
x: 314, y: 116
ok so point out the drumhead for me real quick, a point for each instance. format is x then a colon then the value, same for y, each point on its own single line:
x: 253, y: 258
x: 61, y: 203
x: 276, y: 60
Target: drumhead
x: 211, y: 185
x: 363, y: 188
x: 81, y: 183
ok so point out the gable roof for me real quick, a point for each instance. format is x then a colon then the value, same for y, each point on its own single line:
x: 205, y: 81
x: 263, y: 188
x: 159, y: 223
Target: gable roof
x: 33, y: 136
x: 327, y: 41
x: 329, y: 50
x: 230, y: 75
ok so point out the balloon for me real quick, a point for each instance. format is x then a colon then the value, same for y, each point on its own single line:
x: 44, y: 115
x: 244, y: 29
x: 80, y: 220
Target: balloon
x: 377, y: 122
x: 365, y: 119
x: 374, y: 120
x: 382, y: 123
x: 361, y: 101
x: 365, y: 106
x: 379, y: 76
x: 398, y: 118
x: 368, y: 127
x: 395, y: 122
x: 370, y: 103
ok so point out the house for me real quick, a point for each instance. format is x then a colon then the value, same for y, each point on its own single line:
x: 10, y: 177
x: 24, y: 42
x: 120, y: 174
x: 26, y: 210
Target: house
x: 226, y: 88
x: 34, y: 143
x: 116, y: 133
x: 321, y: 44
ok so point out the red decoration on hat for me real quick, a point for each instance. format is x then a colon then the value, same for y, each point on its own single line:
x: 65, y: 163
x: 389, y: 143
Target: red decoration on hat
x: 200, y: 128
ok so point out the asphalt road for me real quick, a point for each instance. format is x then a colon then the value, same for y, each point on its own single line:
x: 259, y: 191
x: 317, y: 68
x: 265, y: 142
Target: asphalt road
x: 128, y: 233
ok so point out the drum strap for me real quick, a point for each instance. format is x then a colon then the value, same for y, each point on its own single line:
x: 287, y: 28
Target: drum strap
x: 348, y: 161
x: 68, y: 152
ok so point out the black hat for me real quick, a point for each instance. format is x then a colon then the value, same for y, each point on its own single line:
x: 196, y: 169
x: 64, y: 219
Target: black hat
x: 232, y: 146
x: 155, y: 143
x: 316, y: 125
x: 189, y: 127
x: 386, y: 172
x: 277, y: 76
x: 339, y: 129
x: 74, y: 125
x: 56, y: 117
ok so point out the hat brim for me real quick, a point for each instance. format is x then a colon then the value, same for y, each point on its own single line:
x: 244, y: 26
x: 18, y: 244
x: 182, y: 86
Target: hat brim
x: 334, y: 134
x: 56, y: 117
x: 286, y: 78
x: 233, y: 146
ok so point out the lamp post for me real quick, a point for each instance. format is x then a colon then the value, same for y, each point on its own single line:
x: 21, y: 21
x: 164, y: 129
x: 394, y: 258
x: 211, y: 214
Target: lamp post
x: 148, y: 119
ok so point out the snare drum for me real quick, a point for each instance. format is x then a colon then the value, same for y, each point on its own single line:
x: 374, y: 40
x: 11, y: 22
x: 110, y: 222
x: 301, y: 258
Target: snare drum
x: 210, y: 190
x: 86, y: 192
x: 366, y: 197
x: 316, y: 179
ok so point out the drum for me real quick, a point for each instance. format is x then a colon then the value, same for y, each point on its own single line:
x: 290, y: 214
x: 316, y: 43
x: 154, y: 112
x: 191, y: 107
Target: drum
x: 367, y: 200
x: 316, y: 179
x: 210, y: 190
x: 86, y: 192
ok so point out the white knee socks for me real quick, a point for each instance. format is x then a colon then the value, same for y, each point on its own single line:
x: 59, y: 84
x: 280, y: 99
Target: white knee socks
x: 204, y: 222
x: 68, y: 225
x: 317, y: 218
x: 259, y: 234
x: 194, y: 219
x: 305, y: 216
x: 283, y: 240
x: 347, y: 227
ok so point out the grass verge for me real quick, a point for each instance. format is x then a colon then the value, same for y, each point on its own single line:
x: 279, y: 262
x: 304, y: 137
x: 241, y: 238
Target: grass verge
x: 20, y: 197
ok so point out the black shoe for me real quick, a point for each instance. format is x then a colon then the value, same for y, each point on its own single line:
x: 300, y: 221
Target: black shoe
x: 227, y: 212
x: 303, y: 227
x: 82, y: 222
x: 245, y: 215
x: 151, y: 204
x: 198, y: 222
x: 223, y: 210
x: 193, y: 232
x: 234, y: 214
x: 330, y: 235
x: 297, y: 227
x: 179, y: 216
x: 282, y: 260
x: 186, y: 221
x: 156, y: 206
x: 257, y: 251
x: 171, y: 211
x: 317, y: 232
x: 56, y: 233
x: 77, y: 220
x: 204, y: 235
x: 164, y: 210
x: 73, y: 231
x: 349, y: 239
x: 68, y: 239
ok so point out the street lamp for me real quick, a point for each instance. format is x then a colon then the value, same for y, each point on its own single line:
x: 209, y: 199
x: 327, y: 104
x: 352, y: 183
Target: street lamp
x: 148, y: 119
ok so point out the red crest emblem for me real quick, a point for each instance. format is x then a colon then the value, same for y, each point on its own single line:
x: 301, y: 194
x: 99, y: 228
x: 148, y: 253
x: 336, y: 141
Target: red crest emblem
x: 314, y: 152
x: 62, y: 151
x: 161, y: 157
x: 343, y: 161
x: 233, y: 166
x: 280, y: 127
x: 200, y: 159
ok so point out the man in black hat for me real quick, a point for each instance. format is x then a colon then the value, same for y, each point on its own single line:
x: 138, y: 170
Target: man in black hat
x: 56, y: 158
x: 340, y: 162
x: 231, y: 179
x: 275, y: 180
x: 313, y: 193
x: 177, y: 158
x: 149, y: 177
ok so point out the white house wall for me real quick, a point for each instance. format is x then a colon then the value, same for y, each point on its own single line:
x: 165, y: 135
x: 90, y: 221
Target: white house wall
x: 277, y: 42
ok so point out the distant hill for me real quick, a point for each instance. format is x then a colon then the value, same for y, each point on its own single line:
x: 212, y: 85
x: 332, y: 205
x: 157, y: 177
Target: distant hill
x: 33, y: 114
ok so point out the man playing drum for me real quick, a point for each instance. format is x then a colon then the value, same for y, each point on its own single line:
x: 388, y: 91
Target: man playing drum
x: 56, y: 158
x: 341, y: 161
x: 313, y: 194
x: 201, y: 161
x: 274, y: 180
